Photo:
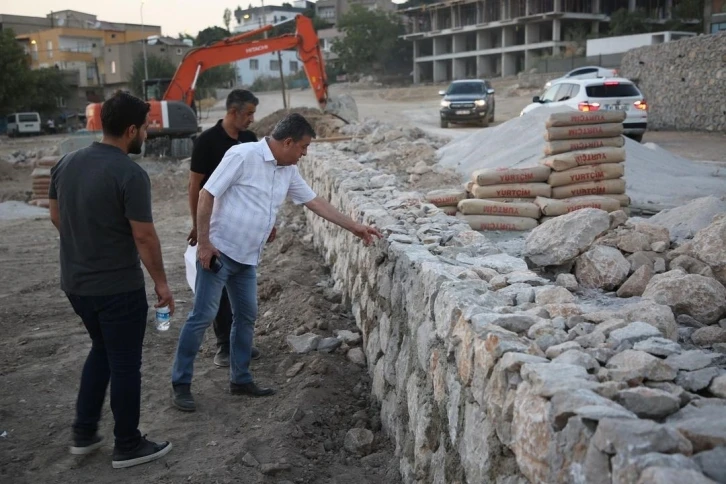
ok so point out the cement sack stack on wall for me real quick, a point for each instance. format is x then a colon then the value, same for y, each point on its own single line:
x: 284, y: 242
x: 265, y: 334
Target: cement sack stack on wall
x: 587, y: 156
x: 503, y: 198
x: 41, y: 181
x: 446, y: 199
x: 683, y: 82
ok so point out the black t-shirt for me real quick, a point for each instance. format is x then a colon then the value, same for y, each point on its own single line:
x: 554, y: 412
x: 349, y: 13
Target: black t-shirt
x: 210, y: 147
x: 99, y: 189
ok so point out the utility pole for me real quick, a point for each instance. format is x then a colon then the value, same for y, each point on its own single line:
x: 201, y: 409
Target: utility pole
x: 143, y: 45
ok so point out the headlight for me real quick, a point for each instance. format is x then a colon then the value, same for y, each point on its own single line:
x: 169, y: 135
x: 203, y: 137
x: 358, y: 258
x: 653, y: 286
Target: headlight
x: 480, y: 102
x: 445, y: 104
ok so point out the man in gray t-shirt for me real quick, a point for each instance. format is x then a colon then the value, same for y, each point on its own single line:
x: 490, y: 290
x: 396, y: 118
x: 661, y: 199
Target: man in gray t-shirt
x: 100, y: 202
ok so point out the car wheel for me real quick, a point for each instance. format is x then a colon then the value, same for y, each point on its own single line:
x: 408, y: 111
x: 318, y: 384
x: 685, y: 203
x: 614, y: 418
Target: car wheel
x: 484, y: 123
x: 444, y: 124
x: 636, y: 137
x: 491, y: 118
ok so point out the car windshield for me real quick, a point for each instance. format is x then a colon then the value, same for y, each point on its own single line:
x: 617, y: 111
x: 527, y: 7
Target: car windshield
x: 466, y: 88
x: 612, y: 90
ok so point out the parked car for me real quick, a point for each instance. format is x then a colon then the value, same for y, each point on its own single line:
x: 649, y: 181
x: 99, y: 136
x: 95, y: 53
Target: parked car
x: 23, y: 124
x: 610, y: 94
x: 588, y: 72
x: 467, y: 101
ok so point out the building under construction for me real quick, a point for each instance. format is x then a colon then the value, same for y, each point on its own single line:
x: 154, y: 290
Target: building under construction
x: 485, y: 38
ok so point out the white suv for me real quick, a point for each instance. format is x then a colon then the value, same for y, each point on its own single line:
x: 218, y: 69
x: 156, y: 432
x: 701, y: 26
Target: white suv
x: 608, y: 94
x: 587, y: 72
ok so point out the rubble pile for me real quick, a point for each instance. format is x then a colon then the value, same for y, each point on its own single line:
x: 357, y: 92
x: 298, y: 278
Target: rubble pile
x: 323, y: 124
x: 495, y: 368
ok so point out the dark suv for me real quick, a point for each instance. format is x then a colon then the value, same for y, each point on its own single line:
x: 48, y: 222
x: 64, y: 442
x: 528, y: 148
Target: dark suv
x: 467, y: 101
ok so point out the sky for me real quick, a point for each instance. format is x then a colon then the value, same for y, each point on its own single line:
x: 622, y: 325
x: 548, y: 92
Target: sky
x: 174, y: 16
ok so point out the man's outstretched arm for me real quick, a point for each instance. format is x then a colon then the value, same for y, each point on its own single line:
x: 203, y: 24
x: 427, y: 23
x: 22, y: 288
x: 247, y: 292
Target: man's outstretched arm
x: 323, y: 208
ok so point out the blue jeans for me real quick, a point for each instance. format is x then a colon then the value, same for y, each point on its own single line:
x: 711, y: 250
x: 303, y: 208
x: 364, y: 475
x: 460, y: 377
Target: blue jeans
x: 241, y: 283
x: 116, y: 325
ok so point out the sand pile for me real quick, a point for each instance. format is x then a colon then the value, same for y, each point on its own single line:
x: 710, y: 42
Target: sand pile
x: 324, y: 125
x: 655, y: 178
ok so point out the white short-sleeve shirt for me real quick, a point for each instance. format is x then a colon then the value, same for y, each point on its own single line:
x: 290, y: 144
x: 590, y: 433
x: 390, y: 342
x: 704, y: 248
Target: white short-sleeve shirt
x: 248, y: 189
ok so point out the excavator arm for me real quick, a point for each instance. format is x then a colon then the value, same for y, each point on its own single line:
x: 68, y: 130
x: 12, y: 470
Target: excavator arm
x: 226, y: 51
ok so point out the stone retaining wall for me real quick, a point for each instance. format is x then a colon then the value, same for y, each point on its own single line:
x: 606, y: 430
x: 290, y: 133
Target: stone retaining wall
x: 459, y: 336
x: 683, y: 82
x: 537, y: 80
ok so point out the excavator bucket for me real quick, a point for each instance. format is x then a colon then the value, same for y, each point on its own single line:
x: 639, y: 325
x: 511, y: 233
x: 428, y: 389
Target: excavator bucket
x: 342, y: 107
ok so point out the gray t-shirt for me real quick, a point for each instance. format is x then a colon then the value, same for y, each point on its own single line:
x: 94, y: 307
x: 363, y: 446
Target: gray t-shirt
x: 99, y: 189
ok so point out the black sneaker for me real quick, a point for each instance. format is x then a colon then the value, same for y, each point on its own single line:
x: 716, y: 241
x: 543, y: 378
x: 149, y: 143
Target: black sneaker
x: 146, y: 451
x: 86, y: 445
x: 250, y: 389
x: 255, y: 353
x: 181, y: 398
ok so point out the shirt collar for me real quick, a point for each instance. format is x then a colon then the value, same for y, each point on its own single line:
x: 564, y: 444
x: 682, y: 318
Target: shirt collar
x: 267, y: 152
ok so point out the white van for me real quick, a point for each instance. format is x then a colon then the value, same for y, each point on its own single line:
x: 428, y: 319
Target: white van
x: 23, y: 124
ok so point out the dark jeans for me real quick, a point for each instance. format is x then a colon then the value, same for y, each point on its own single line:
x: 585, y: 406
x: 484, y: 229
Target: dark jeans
x: 223, y: 321
x: 116, y: 325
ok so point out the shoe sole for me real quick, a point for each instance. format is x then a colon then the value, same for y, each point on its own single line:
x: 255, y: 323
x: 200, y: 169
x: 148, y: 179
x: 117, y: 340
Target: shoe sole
x: 219, y: 365
x: 183, y: 409
x: 87, y: 449
x: 141, y: 460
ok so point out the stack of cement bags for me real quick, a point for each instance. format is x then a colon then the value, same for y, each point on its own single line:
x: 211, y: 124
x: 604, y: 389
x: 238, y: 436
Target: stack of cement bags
x: 586, y: 154
x: 41, y: 181
x: 503, y: 198
x: 446, y: 199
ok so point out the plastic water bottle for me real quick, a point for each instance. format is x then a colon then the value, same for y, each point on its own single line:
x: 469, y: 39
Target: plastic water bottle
x: 163, y: 318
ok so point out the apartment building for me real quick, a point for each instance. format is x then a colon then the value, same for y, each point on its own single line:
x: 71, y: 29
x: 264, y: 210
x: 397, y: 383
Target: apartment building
x: 487, y: 38
x: 255, y: 17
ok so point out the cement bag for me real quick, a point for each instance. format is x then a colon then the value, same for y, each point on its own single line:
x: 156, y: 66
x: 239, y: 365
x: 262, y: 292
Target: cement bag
x: 517, y: 190
x: 190, y: 260
x: 576, y: 118
x: 469, y: 186
x: 449, y: 210
x: 587, y: 173
x: 552, y: 207
x: 573, y: 159
x: 588, y: 131
x: 507, y: 200
x: 563, y: 146
x: 622, y: 198
x: 497, y: 176
x: 448, y: 197
x: 475, y: 206
x: 493, y: 222
x: 591, y: 188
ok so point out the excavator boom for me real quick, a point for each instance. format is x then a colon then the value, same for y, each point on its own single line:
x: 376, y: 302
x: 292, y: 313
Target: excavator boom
x: 225, y: 51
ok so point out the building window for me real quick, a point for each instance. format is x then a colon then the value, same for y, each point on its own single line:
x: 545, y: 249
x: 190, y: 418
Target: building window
x: 718, y: 27
x: 60, y: 102
x: 274, y: 65
x: 113, y: 67
x: 293, y: 66
x: 90, y: 72
x: 49, y: 48
x: 178, y: 51
x: 254, y: 64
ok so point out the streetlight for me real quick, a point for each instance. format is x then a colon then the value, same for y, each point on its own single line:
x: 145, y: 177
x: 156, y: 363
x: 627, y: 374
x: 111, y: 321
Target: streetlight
x: 143, y: 45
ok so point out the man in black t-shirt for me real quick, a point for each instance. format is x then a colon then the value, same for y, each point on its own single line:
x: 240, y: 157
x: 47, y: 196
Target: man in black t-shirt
x: 209, y: 149
x: 100, y: 202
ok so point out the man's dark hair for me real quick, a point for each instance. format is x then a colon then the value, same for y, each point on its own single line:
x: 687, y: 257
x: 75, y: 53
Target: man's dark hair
x: 121, y: 111
x: 293, y: 126
x: 239, y: 97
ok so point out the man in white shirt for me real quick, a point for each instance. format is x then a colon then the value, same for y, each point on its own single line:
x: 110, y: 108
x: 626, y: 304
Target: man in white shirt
x: 237, y: 210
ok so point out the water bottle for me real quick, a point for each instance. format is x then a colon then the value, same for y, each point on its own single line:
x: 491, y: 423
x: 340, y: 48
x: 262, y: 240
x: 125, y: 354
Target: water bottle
x: 163, y: 318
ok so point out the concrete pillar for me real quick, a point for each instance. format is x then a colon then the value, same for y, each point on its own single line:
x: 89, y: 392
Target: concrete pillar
x: 509, y: 66
x: 596, y: 6
x: 440, y: 71
x: 558, y: 6
x: 556, y: 30
x: 416, y: 48
x: 458, y: 69
x: 631, y: 5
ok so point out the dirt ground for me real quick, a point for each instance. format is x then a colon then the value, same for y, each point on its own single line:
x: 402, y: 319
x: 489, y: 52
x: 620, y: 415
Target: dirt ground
x: 295, y: 436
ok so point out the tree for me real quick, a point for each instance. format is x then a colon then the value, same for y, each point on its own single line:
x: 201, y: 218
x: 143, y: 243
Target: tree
x: 623, y: 22
x: 211, y: 35
x: 238, y: 14
x: 371, y: 44
x: 15, y: 73
x: 227, y: 17
x: 159, y: 67
x: 46, y: 87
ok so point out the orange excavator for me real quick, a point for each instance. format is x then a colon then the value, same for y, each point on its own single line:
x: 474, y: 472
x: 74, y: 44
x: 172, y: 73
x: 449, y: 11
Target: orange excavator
x: 174, y: 114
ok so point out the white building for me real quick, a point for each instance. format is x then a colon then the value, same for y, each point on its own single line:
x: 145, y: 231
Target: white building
x: 266, y: 66
x: 623, y: 43
x: 256, y: 17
